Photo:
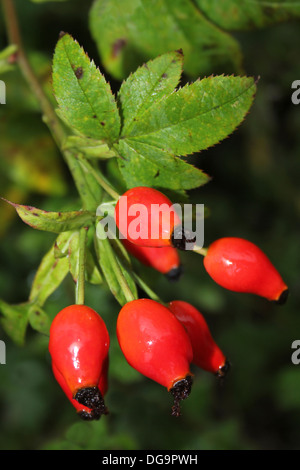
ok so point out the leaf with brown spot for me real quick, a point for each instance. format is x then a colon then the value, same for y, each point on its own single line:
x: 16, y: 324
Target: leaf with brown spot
x: 147, y: 86
x: 195, y: 117
x: 237, y: 15
x: 56, y: 222
x: 181, y: 122
x: 131, y: 32
x: 39, y: 320
x: 82, y: 93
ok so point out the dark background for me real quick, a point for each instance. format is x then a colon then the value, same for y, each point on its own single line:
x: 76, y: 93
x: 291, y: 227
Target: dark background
x: 254, y: 193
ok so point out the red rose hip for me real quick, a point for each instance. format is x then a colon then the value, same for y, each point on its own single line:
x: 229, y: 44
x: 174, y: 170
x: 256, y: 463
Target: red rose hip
x: 146, y: 217
x: 156, y: 344
x: 239, y: 265
x: 206, y: 353
x: 78, y: 345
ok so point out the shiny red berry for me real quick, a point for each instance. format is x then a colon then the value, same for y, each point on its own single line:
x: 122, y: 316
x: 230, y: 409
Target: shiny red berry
x: 239, y: 265
x: 165, y: 260
x: 157, y: 345
x: 206, y: 353
x: 146, y: 217
x: 78, y: 345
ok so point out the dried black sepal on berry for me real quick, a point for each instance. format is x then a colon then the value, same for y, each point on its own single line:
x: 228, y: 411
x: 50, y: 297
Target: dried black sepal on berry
x: 180, y: 391
x: 92, y: 398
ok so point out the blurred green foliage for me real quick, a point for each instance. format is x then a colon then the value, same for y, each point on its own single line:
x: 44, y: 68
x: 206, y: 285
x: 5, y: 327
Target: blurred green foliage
x: 254, y: 193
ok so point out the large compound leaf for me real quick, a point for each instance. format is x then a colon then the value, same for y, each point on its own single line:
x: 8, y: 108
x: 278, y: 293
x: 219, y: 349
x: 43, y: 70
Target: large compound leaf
x: 85, y: 99
x: 249, y: 14
x: 189, y: 120
x: 130, y: 32
x: 142, y: 164
x: 195, y: 117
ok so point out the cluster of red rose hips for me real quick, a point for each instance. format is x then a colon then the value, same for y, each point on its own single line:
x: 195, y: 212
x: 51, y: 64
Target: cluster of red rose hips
x: 161, y: 341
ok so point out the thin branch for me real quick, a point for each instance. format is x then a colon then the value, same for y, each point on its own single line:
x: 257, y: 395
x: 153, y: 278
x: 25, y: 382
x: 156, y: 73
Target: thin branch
x: 100, y: 178
x: 80, y: 284
x: 200, y: 250
x: 142, y: 284
x: 13, y: 31
x: 49, y: 115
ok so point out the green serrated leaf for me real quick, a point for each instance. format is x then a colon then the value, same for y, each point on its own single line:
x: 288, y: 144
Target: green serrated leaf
x: 14, y: 320
x: 130, y: 32
x: 84, y: 97
x: 39, y: 320
x: 189, y: 120
x: 51, y: 271
x: 249, y: 14
x: 145, y: 165
x: 148, y: 85
x: 118, y: 278
x: 195, y: 117
x: 56, y: 222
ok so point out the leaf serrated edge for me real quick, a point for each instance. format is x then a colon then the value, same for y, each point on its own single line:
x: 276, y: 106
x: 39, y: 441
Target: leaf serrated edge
x: 254, y: 84
x: 63, y: 34
x: 179, y: 54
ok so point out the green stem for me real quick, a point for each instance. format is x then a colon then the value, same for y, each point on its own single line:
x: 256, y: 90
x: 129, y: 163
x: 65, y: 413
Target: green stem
x: 87, y: 192
x: 147, y: 289
x: 104, y: 248
x: 98, y: 177
x: 80, y: 284
x: 124, y: 286
x: 200, y: 250
x: 119, y: 275
x: 49, y: 116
